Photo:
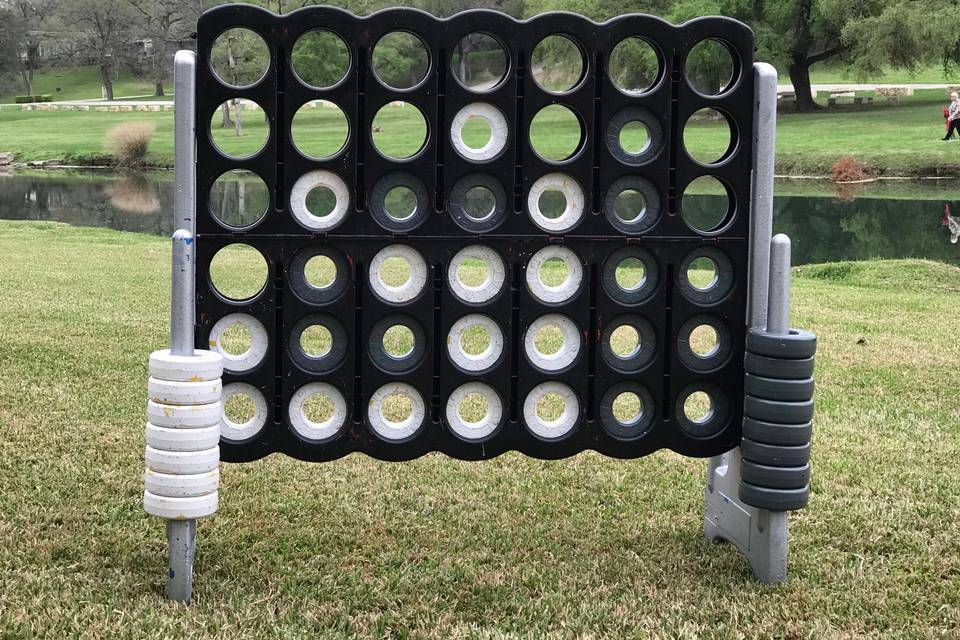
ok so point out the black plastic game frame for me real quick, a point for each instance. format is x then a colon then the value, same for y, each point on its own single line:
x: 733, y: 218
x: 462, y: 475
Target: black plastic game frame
x: 669, y: 243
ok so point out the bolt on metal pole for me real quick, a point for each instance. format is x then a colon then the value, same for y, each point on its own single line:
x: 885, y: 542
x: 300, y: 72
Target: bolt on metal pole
x: 182, y: 534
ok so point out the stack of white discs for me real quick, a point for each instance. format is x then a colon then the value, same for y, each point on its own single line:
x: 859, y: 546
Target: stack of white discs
x: 183, y: 435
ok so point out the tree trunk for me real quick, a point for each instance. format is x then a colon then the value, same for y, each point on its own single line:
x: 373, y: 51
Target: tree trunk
x: 107, y: 82
x: 238, y: 129
x: 226, y: 123
x: 158, y: 89
x: 800, y: 78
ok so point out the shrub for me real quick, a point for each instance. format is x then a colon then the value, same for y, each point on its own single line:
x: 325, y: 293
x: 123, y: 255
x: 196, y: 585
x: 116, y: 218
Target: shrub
x: 30, y: 99
x: 129, y: 142
x: 847, y: 169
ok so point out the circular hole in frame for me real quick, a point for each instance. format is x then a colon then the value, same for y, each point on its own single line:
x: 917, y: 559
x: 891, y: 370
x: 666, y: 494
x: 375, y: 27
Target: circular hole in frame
x: 241, y: 340
x: 554, y: 274
x: 320, y: 200
x: 627, y: 411
x: 634, y: 66
x: 552, y: 343
x: 479, y: 62
x: 629, y: 343
x: 707, y: 136
x: 239, y: 409
x: 399, y: 202
x: 702, y: 410
x: 634, y: 138
x: 479, y: 132
x: 397, y: 343
x: 320, y: 58
x: 239, y: 128
x: 698, y: 407
x: 475, y: 343
x: 236, y: 339
x: 318, y: 343
x: 238, y: 272
x: 239, y: 57
x: 710, y: 67
x: 317, y: 411
x: 573, y: 197
x: 475, y: 340
x: 632, y: 205
x: 474, y: 411
x: 398, y: 274
x: 244, y: 412
x: 399, y: 131
x: 400, y: 60
x: 557, y: 64
x: 635, y: 135
x: 704, y: 343
x: 706, y: 206
x: 239, y: 199
x: 630, y: 275
x: 396, y: 412
x: 318, y: 274
x: 551, y: 410
x: 473, y: 408
x: 319, y: 129
x: 478, y: 203
x: 476, y: 274
x: 705, y: 276
x: 556, y: 133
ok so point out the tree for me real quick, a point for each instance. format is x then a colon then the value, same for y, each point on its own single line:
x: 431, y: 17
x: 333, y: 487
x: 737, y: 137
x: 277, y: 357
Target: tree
x: 103, y: 33
x: 168, y: 24
x: 21, y: 27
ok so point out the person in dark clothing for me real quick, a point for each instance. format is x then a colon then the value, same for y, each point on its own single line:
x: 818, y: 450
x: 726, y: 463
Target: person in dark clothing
x: 953, y: 116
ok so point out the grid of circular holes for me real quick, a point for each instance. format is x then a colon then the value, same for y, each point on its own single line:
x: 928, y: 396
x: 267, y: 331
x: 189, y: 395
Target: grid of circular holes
x: 399, y: 202
x: 475, y: 343
x: 705, y: 276
x: 708, y: 137
x: 479, y: 132
x: 634, y: 66
x: 319, y: 129
x: 556, y: 133
x: 320, y: 59
x: 556, y: 203
x: 702, y: 410
x: 627, y: 411
x: 551, y: 410
x: 319, y: 200
x: 317, y: 411
x: 710, y: 67
x: 635, y: 135
x: 318, y: 274
x: 629, y: 343
x: 396, y: 412
x: 554, y: 274
x: 474, y: 411
x: 244, y: 412
x: 238, y: 272
x: 558, y: 64
x: 552, y: 342
x: 632, y: 205
x: 398, y: 274
x: 630, y: 275
x: 241, y: 340
x: 476, y: 274
x: 478, y: 203
x: 239, y: 57
x: 399, y: 131
x: 239, y: 199
x: 238, y: 129
x: 400, y: 60
x: 318, y: 343
x: 397, y: 343
x: 704, y: 343
x: 479, y: 62
x: 706, y: 206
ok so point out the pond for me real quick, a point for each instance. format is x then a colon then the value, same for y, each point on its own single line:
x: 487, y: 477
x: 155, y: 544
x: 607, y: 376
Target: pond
x: 882, y: 220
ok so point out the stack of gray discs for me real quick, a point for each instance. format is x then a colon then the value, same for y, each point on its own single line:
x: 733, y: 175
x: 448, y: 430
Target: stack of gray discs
x: 778, y: 419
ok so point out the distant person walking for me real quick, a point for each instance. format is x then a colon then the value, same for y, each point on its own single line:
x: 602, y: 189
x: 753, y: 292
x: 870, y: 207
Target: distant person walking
x: 953, y: 116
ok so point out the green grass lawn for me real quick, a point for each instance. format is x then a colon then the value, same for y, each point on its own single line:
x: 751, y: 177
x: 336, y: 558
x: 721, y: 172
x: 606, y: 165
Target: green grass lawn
x: 437, y: 548
x: 81, y: 83
x: 933, y: 74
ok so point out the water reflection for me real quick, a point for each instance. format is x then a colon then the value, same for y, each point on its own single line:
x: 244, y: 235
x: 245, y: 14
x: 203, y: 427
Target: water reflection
x: 902, y: 221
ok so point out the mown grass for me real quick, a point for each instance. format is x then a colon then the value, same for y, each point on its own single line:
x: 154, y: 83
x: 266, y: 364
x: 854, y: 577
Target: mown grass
x: 436, y: 548
x: 82, y: 83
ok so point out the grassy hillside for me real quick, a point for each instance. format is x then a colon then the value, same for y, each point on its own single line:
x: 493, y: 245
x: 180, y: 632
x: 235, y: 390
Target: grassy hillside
x: 440, y: 549
x: 80, y: 83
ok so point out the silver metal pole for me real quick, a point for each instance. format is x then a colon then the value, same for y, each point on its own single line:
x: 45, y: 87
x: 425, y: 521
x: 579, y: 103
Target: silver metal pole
x: 182, y: 534
x: 778, y: 300
x: 764, y: 147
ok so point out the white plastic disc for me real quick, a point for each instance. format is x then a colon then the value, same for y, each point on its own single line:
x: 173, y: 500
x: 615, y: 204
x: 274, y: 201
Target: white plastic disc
x: 183, y: 393
x: 572, y: 193
x: 409, y: 289
x: 180, y: 486
x: 180, y: 508
x: 317, y: 430
x: 173, y: 439
x: 481, y: 428
x: 307, y: 183
x: 184, y: 417
x: 554, y: 428
x: 250, y: 358
x: 202, y: 365
x: 235, y: 431
x: 567, y: 353
x: 183, y: 462
x: 492, y: 283
x: 499, y: 131
x: 566, y: 289
x: 387, y: 429
x: 481, y: 361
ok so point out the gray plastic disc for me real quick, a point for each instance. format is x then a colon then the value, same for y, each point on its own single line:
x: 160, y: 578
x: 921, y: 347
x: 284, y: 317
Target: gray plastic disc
x: 772, y: 389
x: 644, y: 289
x: 721, y: 285
x: 655, y: 137
x: 778, y: 368
x: 651, y: 212
x: 391, y: 364
x: 798, y: 343
x: 773, y: 455
x: 762, y: 475
x: 716, y: 357
x: 635, y: 429
x: 378, y: 202
x: 327, y: 361
x: 715, y: 420
x: 774, y: 499
x: 787, y: 435
x: 774, y: 411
